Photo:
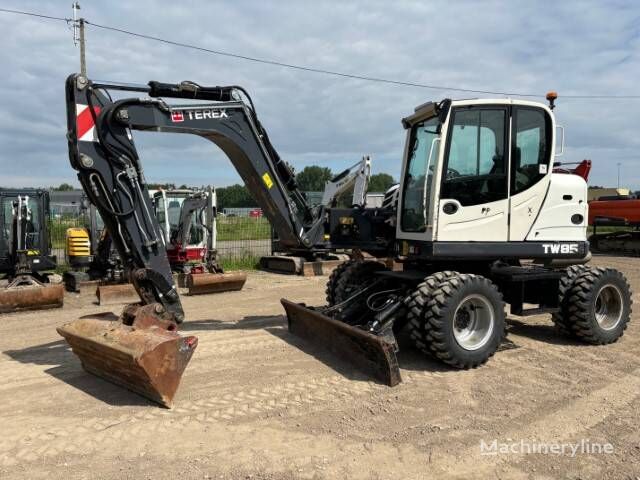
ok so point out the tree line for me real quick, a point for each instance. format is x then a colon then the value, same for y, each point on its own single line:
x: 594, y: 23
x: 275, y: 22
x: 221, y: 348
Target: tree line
x: 310, y: 179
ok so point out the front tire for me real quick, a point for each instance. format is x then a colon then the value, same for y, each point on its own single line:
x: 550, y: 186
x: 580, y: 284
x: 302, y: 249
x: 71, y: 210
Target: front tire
x: 465, y: 321
x: 561, y: 318
x: 416, y: 304
x: 599, y: 306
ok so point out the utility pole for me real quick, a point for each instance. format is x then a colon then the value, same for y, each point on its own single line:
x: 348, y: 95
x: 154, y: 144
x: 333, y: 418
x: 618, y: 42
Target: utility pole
x: 78, y: 37
x: 619, y: 174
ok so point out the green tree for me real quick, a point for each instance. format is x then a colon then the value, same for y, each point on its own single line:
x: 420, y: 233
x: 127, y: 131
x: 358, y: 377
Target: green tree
x: 234, y: 196
x: 63, y: 187
x: 380, y: 182
x: 312, y: 178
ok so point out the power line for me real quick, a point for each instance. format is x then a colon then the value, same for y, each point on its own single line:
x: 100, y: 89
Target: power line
x: 314, y: 69
x: 31, y: 14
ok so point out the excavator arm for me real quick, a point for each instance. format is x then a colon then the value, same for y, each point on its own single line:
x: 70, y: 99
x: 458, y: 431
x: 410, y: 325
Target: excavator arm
x: 150, y: 355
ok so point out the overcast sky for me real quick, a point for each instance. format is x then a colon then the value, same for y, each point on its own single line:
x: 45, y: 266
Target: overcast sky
x: 532, y: 47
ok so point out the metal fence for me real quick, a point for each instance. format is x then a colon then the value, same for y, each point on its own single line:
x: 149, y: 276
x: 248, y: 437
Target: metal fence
x: 240, y: 238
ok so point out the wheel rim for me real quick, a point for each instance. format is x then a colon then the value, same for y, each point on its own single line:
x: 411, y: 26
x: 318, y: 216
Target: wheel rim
x: 473, y: 322
x: 609, y: 307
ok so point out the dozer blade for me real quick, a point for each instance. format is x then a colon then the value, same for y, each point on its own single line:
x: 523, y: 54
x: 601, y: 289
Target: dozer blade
x: 32, y: 297
x: 282, y: 264
x: 116, y: 294
x: 202, y: 283
x: 149, y: 361
x: 367, y: 352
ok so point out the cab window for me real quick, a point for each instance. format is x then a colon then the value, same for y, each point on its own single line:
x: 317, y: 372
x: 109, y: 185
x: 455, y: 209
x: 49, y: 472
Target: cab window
x: 475, y: 168
x: 531, y: 149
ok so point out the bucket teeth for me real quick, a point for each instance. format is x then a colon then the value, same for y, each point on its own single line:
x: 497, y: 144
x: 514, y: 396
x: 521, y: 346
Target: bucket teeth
x: 33, y: 297
x: 203, y: 283
x: 148, y: 360
x: 369, y: 353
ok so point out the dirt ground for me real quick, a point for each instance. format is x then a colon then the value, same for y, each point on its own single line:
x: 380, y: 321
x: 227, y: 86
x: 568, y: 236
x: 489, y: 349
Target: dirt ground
x: 257, y: 403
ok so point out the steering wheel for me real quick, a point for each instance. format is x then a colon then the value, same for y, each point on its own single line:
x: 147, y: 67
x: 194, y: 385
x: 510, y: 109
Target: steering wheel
x: 452, y: 173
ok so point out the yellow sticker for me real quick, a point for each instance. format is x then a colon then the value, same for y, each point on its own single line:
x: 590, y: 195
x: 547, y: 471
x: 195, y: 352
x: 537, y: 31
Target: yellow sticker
x: 267, y: 180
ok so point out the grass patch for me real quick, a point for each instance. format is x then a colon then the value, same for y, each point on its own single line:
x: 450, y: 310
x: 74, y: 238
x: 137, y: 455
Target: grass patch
x: 243, y: 228
x: 246, y: 262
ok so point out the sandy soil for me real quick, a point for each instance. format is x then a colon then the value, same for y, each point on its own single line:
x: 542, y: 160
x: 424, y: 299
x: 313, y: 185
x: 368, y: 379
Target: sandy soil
x: 257, y: 403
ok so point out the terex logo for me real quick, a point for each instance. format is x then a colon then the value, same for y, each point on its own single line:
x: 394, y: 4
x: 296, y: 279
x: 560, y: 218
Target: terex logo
x: 179, y: 115
x: 562, y: 248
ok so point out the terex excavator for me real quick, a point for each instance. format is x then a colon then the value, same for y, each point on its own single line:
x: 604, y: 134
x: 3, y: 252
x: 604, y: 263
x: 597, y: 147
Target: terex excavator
x: 25, y: 252
x: 188, y: 222
x: 477, y: 196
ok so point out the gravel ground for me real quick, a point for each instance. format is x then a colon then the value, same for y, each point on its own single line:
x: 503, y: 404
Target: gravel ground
x: 257, y: 403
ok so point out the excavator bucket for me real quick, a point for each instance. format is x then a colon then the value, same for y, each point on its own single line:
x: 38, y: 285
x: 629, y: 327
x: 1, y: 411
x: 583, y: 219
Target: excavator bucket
x: 202, y: 283
x: 31, y: 297
x: 369, y: 353
x: 145, y: 357
x: 116, y: 294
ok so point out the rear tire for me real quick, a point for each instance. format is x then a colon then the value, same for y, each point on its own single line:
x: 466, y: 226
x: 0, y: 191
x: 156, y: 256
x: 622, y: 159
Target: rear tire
x: 465, y: 321
x: 332, y: 283
x: 355, y: 276
x: 599, y: 306
x: 416, y: 303
x: 561, y: 318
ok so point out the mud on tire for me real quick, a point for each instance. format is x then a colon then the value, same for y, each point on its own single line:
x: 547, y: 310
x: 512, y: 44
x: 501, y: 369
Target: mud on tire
x: 464, y: 321
x: 561, y: 318
x: 599, y: 306
x: 416, y: 303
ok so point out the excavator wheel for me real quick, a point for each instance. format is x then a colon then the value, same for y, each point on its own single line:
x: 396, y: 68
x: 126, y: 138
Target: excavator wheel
x: 561, y: 318
x: 599, y: 305
x: 355, y: 276
x: 416, y: 303
x: 464, y: 321
x: 332, y: 283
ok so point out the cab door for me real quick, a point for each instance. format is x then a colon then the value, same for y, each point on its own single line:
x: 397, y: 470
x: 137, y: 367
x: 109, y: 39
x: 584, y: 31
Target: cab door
x: 531, y: 145
x: 474, y: 201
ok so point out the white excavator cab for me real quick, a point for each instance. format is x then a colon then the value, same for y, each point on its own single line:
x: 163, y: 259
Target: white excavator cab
x: 481, y: 171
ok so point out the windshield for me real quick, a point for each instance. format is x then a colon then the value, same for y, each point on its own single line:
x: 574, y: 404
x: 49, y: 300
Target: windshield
x: 417, y: 181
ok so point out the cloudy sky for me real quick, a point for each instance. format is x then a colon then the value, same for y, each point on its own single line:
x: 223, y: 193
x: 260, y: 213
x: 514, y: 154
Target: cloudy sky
x: 518, y: 46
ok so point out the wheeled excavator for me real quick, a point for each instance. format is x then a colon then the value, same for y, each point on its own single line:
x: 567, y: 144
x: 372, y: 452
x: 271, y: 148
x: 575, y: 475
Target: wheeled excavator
x: 480, y: 220
x: 25, y: 252
x: 188, y: 222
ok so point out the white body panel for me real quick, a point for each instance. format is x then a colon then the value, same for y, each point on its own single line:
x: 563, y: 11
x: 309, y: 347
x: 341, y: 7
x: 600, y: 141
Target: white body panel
x: 524, y: 209
x: 567, y: 196
x: 476, y: 223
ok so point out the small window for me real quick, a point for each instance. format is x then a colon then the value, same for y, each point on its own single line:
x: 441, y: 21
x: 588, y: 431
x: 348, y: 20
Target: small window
x: 475, y: 170
x: 531, y: 151
x: 418, y: 177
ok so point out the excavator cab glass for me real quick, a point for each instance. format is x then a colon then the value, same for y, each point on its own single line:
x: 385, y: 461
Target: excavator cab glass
x: 421, y: 163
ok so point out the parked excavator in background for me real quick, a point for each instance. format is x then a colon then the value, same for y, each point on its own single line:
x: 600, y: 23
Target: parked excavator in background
x: 316, y: 261
x: 477, y: 200
x: 188, y: 219
x: 25, y: 252
x: 94, y: 263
